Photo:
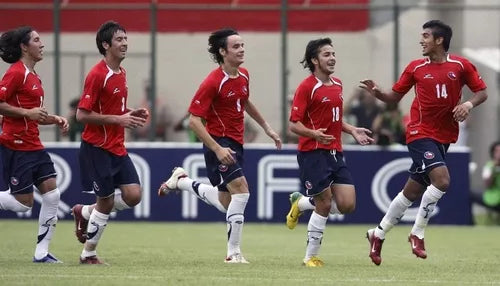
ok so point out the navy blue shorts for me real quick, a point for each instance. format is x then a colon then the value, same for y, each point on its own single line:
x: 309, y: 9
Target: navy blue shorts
x: 102, y: 171
x: 321, y: 168
x: 426, y: 154
x: 23, y: 169
x: 219, y: 174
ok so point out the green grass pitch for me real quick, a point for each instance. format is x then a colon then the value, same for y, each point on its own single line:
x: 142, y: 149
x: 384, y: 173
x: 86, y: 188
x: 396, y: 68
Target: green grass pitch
x: 141, y: 253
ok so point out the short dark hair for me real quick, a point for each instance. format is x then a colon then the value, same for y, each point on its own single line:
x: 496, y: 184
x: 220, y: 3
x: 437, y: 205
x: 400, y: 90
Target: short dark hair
x: 440, y: 29
x: 105, y: 34
x: 493, y: 146
x: 312, y: 51
x: 217, y: 40
x: 10, y: 43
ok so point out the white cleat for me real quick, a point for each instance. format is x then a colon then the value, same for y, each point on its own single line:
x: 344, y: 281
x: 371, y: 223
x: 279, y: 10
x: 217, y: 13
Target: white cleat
x: 171, y: 184
x: 236, y: 258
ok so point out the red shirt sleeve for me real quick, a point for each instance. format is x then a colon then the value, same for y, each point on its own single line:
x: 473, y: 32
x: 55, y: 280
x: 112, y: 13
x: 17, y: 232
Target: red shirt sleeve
x: 405, y: 82
x: 299, y: 104
x: 93, y: 84
x: 203, y: 98
x: 10, y: 83
x: 472, y: 78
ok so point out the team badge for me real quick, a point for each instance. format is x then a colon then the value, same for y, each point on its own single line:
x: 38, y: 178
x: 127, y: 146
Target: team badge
x: 428, y: 155
x: 452, y: 75
x: 308, y: 185
x: 222, y: 168
x: 14, y: 181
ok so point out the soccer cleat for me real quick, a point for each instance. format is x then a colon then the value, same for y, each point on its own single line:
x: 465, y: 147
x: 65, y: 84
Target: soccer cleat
x: 313, y: 262
x: 375, y: 246
x: 49, y: 258
x: 91, y: 260
x: 292, y: 218
x: 80, y: 223
x: 417, y: 246
x: 236, y: 258
x: 171, y: 184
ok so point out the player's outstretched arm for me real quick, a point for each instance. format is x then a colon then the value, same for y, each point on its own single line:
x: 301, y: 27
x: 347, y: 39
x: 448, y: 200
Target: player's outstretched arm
x: 375, y: 90
x: 361, y: 135
x: 255, y: 114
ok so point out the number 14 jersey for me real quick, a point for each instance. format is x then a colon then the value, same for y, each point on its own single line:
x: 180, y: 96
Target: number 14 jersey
x: 438, y: 89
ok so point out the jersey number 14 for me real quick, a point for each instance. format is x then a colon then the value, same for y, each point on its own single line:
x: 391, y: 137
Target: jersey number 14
x: 441, y: 91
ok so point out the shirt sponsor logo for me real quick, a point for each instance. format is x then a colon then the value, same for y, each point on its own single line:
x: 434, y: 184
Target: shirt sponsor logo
x: 428, y: 76
x: 117, y: 90
x: 87, y: 96
x: 295, y: 108
x: 231, y: 93
x: 3, y: 88
x: 34, y: 87
x: 325, y: 99
x: 452, y: 75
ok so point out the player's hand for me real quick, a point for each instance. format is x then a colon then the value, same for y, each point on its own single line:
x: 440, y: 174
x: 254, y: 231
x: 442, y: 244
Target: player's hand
x: 140, y: 112
x: 62, y: 123
x: 461, y: 111
x: 362, y: 136
x: 277, y: 140
x: 225, y: 155
x: 130, y: 121
x: 322, y: 138
x: 369, y: 85
x: 37, y: 113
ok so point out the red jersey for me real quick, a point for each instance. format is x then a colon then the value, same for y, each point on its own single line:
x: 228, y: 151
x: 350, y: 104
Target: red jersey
x: 438, y: 89
x: 220, y: 100
x: 317, y: 106
x: 105, y: 92
x: 21, y: 88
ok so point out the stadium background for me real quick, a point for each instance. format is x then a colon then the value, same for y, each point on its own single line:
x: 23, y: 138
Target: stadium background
x: 168, y: 39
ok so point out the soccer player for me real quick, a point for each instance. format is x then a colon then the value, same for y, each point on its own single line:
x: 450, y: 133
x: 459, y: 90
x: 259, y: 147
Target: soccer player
x: 316, y: 116
x: 221, y: 100
x: 25, y: 162
x: 435, y: 112
x: 104, y: 161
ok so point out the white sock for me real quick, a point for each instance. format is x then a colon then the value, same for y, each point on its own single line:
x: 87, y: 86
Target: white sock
x: 334, y: 209
x: 97, y: 224
x: 119, y: 203
x: 9, y: 203
x: 305, y: 203
x: 235, y: 218
x: 396, y: 210
x: 206, y: 193
x: 429, y: 200
x: 47, y: 220
x: 315, y: 228
x: 86, y: 212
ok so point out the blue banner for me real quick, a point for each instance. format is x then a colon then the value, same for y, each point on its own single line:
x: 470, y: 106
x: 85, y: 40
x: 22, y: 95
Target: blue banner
x: 379, y: 174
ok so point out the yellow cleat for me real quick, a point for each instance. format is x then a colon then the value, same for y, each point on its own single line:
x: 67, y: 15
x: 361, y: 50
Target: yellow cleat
x: 313, y: 262
x: 292, y: 217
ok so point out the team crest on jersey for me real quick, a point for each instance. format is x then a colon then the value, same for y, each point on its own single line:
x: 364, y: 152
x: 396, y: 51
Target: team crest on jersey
x: 428, y: 155
x: 452, y: 75
x: 222, y: 168
x: 14, y: 181
x: 308, y: 185
x: 244, y: 89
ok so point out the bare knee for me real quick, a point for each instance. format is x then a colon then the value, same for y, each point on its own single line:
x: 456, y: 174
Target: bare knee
x: 346, y: 208
x: 442, y: 183
x: 132, y: 198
